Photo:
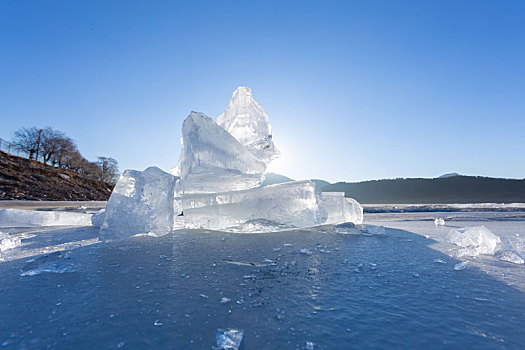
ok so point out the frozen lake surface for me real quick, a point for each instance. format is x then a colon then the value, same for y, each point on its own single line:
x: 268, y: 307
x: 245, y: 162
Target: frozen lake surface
x: 289, y: 290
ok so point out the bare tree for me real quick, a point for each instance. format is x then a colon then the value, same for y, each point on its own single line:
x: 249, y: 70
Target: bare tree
x: 109, y: 169
x: 28, y: 140
x: 65, y: 149
x: 50, y: 143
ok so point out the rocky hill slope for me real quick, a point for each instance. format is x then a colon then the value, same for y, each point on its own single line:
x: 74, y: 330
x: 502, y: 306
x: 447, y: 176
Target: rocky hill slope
x: 25, y: 179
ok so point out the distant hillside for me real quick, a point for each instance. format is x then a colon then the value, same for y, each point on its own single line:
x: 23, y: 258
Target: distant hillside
x: 451, y: 189
x: 25, y: 179
x: 272, y: 179
x: 321, y: 184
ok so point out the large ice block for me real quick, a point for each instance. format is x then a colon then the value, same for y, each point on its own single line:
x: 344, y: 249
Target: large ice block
x: 246, y: 120
x: 142, y: 202
x: 212, y: 160
x: 292, y: 205
x: 341, y: 209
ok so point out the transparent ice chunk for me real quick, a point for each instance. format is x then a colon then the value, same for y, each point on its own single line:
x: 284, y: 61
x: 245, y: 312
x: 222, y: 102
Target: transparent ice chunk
x: 229, y: 339
x: 212, y: 160
x: 142, y: 202
x: 97, y: 220
x: 439, y: 221
x: 8, y: 242
x: 510, y: 256
x: 292, y: 204
x: 474, y: 240
x: 341, y: 209
x: 461, y: 265
x: 347, y: 228
x: 246, y: 120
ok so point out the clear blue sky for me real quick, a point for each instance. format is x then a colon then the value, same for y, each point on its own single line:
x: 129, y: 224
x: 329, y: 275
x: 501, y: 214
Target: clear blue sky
x: 354, y: 89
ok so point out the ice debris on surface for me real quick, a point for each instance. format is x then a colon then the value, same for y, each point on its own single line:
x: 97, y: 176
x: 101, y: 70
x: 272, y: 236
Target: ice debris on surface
x: 341, y: 209
x: 57, y: 262
x: 510, y: 256
x: 97, y: 220
x: 229, y: 339
x: 347, y: 228
x: 292, y: 204
x: 212, y: 160
x: 7, y: 242
x: 141, y: 202
x: 309, y: 345
x: 246, y: 120
x: 461, y: 265
x: 473, y: 241
x: 373, y: 230
x: 34, y: 218
x: 439, y: 221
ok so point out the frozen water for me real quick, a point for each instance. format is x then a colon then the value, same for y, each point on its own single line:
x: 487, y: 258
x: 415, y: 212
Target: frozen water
x: 439, y: 221
x: 212, y: 160
x: 263, y: 209
x: 33, y: 218
x: 246, y: 120
x: 57, y: 262
x: 97, y: 220
x: 347, y: 228
x: 461, y: 265
x: 142, y: 202
x: 341, y: 209
x: 7, y: 242
x: 120, y: 290
x: 510, y: 256
x: 474, y: 240
x: 373, y: 230
x: 229, y: 339
x: 218, y: 184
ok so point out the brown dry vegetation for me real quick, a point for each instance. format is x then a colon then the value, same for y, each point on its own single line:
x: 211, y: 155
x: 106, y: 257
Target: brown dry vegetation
x: 26, y: 179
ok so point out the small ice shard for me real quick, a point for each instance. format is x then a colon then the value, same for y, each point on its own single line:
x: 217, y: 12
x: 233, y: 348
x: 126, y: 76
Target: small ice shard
x: 305, y: 251
x: 461, y: 266
x: 7, y: 242
x: 309, y: 345
x: 439, y: 221
x: 291, y: 204
x: 439, y: 261
x: 97, y: 220
x: 225, y: 300
x: 473, y: 240
x: 340, y: 209
x: 511, y: 257
x: 57, y: 262
x: 347, y: 228
x: 33, y: 218
x: 212, y: 160
x: 373, y: 230
x: 142, y: 202
x: 246, y: 120
x: 157, y: 323
x: 229, y: 339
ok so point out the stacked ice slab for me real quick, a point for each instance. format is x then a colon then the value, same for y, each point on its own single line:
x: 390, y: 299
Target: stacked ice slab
x: 217, y: 183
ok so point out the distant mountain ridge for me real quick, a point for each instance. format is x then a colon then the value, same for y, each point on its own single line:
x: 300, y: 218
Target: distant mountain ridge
x: 445, y: 190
